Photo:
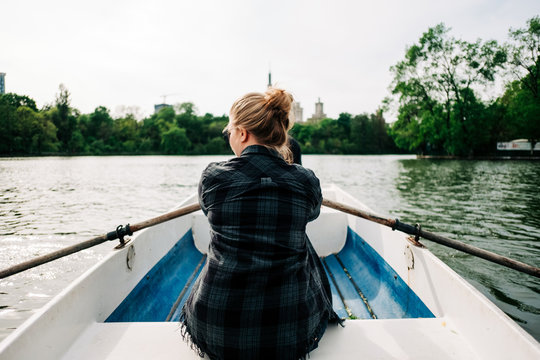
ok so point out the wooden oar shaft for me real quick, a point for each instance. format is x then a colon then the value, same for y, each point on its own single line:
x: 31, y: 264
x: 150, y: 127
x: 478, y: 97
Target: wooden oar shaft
x: 184, y: 210
x: 457, y: 245
x: 95, y: 241
x: 52, y: 256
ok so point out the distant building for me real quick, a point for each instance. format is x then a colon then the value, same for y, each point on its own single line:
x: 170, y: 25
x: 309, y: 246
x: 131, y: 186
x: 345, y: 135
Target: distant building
x: 298, y: 112
x: 158, y: 107
x: 319, y: 113
x: 2, y: 83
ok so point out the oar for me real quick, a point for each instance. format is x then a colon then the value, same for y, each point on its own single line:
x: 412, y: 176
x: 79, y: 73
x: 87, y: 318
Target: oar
x: 395, y: 224
x: 119, y: 233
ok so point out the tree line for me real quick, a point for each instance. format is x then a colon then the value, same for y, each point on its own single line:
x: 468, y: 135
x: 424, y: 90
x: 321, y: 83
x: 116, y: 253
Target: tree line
x: 61, y: 129
x: 442, y: 92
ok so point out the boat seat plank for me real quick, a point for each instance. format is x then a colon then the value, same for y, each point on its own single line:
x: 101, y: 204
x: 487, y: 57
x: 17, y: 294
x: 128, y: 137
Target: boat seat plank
x: 359, y: 339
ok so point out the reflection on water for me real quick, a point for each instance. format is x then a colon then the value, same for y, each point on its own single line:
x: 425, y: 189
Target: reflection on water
x: 50, y: 203
x: 493, y: 205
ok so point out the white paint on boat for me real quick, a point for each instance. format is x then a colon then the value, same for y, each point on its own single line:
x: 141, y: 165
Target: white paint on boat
x: 467, y: 325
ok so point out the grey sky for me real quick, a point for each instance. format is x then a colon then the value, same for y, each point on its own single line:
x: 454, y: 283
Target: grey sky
x: 130, y: 52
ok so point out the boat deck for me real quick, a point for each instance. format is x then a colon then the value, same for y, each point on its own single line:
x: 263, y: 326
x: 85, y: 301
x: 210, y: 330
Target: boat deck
x: 366, y: 339
x: 128, y: 305
x: 363, y: 286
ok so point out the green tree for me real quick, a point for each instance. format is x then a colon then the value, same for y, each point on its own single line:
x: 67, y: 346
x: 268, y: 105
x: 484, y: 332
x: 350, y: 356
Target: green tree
x: 124, y: 131
x: 8, y: 119
x: 522, y: 96
x: 64, y: 118
x: 45, y: 140
x: 175, y: 141
x: 23, y: 129
x: 186, y: 118
x: 99, y: 125
x: 17, y: 101
x: 26, y: 127
x: 436, y: 85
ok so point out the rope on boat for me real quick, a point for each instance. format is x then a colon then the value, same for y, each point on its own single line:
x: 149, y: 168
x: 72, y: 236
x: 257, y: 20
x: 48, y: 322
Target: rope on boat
x: 417, y: 231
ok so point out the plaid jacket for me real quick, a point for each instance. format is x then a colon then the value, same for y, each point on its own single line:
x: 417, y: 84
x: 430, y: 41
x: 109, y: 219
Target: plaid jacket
x: 263, y: 293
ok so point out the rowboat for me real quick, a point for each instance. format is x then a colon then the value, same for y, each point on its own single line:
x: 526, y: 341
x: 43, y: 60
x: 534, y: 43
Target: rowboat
x: 399, y: 300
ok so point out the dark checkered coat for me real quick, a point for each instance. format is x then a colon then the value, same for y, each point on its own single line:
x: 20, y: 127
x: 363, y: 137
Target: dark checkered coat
x: 263, y: 293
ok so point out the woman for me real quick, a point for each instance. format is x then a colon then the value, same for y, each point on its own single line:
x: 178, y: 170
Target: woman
x: 263, y: 293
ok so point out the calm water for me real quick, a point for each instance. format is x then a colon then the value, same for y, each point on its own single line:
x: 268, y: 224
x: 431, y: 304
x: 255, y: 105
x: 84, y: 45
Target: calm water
x: 50, y: 203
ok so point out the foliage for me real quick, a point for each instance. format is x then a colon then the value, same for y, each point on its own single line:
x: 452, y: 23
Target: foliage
x: 440, y: 86
x: 178, y: 130
x: 175, y: 141
x: 23, y: 128
x: 360, y: 134
x: 439, y: 89
x: 437, y: 86
x: 522, y: 96
x: 64, y: 118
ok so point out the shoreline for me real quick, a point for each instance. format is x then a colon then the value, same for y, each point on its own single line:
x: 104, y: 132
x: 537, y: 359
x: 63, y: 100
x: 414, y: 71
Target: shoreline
x: 485, y: 157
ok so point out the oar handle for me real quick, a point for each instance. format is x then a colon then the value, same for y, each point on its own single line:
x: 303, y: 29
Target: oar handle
x: 118, y: 233
x: 395, y: 224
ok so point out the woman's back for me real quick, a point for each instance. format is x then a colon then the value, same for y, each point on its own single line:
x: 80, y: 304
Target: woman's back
x: 262, y: 294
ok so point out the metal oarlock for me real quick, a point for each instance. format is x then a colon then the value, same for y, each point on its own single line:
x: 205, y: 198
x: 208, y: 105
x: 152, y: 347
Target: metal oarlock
x: 416, y: 239
x: 122, y: 231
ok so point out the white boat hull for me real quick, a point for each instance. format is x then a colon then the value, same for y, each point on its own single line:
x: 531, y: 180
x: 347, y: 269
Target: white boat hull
x: 466, y: 325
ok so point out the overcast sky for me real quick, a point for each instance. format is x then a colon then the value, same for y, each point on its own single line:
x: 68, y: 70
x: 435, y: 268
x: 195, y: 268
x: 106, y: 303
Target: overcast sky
x: 129, y: 52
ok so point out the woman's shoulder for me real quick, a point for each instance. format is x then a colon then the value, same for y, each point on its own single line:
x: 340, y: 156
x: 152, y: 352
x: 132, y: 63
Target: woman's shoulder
x: 303, y: 171
x: 215, y: 168
x: 221, y: 170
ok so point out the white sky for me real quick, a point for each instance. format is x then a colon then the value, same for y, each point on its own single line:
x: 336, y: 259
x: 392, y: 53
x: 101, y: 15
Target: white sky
x: 130, y: 52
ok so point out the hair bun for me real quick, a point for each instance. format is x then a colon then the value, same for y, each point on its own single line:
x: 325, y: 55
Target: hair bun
x: 279, y: 102
x: 266, y: 116
x: 278, y: 99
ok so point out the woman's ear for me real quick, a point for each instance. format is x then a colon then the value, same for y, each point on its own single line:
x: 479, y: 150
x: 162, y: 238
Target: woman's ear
x: 244, y: 135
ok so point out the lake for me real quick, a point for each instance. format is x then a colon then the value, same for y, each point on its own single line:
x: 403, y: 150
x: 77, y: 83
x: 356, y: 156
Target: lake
x: 51, y: 202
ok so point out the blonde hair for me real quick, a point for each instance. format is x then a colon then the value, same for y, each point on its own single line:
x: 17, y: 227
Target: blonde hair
x: 266, y: 116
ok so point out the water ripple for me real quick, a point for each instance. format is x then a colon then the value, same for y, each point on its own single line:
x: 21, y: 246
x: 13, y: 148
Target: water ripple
x: 50, y: 203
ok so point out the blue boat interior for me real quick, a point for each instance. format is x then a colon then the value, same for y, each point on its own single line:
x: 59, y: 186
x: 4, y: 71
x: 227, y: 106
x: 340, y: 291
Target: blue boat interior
x: 363, y: 285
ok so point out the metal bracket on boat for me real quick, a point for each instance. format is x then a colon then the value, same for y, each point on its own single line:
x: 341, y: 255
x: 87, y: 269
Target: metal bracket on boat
x: 416, y: 239
x: 395, y: 225
x: 119, y: 234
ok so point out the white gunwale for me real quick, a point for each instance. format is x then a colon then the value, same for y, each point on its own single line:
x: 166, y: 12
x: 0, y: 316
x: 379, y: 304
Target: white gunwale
x: 467, y: 325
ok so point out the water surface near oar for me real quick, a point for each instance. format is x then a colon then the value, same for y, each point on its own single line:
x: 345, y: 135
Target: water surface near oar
x: 50, y: 203
x: 494, y: 205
